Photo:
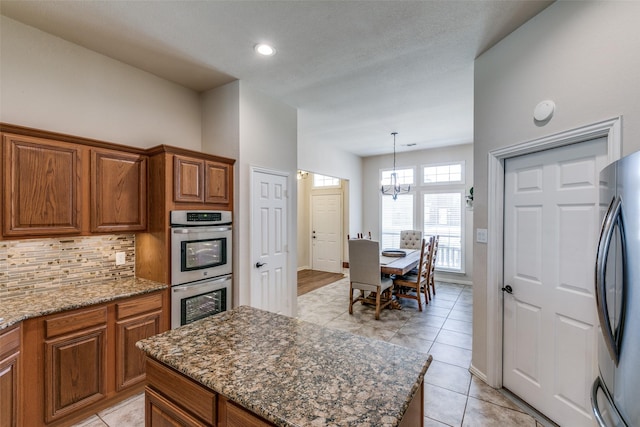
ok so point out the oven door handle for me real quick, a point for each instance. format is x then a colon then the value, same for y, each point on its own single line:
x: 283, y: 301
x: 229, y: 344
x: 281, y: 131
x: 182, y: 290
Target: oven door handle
x: 200, y: 229
x: 185, y: 288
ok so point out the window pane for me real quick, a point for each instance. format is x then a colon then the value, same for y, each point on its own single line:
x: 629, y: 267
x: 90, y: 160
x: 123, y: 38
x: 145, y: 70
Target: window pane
x: 443, y: 216
x: 325, y: 181
x: 442, y: 173
x: 429, y: 175
x: 397, y: 215
x: 405, y: 176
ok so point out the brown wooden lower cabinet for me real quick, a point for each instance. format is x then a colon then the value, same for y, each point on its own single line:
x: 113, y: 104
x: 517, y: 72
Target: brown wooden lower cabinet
x: 9, y: 361
x: 79, y: 362
x: 75, y: 364
x: 172, y: 399
x: 136, y: 319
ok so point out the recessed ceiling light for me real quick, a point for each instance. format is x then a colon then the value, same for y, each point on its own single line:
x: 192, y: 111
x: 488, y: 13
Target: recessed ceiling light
x: 264, y: 49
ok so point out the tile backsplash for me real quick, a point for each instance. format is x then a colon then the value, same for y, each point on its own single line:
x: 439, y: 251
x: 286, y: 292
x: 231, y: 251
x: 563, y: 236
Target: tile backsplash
x: 34, y: 265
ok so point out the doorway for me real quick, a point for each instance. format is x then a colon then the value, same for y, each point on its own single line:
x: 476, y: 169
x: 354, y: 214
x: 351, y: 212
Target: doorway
x: 270, y: 287
x: 323, y: 207
x: 326, y: 232
x: 610, y: 130
x: 551, y: 218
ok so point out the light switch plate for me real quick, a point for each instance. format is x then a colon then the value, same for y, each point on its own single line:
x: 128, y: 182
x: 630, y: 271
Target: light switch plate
x: 482, y: 235
x: 120, y: 258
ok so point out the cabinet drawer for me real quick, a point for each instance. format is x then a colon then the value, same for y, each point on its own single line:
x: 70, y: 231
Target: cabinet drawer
x: 139, y: 305
x: 162, y: 412
x: 240, y: 417
x: 183, y: 391
x: 9, y: 342
x: 75, y: 321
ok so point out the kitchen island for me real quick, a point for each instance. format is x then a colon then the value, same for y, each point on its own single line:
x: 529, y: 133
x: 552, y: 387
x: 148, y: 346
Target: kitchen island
x: 251, y: 367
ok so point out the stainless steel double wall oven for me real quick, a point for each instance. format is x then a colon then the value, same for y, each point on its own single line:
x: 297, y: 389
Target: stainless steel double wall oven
x: 201, y: 265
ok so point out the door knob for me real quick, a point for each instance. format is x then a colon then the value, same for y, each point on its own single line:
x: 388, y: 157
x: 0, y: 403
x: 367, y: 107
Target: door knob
x: 260, y: 264
x: 508, y: 289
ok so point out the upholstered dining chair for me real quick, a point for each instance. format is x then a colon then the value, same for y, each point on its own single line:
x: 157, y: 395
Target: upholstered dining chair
x: 410, y: 239
x: 364, y: 275
x: 411, y: 286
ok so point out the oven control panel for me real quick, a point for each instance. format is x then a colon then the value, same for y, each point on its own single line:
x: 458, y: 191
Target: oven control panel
x: 199, y: 218
x: 203, y: 216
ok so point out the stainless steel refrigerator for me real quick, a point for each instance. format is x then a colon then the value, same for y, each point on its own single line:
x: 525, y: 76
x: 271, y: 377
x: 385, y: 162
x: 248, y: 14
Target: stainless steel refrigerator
x: 615, y: 396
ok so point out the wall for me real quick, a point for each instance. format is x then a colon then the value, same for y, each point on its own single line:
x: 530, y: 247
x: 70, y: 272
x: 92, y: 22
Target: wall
x: 582, y: 55
x: 51, y: 84
x: 257, y: 131
x: 371, y: 176
x: 304, y: 221
x: 48, y: 83
x: 328, y: 160
x: 36, y: 265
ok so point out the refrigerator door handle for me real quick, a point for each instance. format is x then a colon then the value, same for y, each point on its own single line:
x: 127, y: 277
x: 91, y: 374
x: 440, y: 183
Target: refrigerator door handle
x: 597, y: 385
x: 606, y: 234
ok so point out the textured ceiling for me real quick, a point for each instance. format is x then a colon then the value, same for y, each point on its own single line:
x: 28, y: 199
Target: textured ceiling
x: 356, y: 70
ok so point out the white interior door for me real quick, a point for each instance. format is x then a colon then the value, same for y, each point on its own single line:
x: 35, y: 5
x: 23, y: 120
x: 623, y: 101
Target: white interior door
x: 326, y: 232
x: 269, y: 243
x: 550, y: 234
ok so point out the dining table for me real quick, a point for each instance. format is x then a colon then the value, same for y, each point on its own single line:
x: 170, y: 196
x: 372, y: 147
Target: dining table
x: 399, y: 265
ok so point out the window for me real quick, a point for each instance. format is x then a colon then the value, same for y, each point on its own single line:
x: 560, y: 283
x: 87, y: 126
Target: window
x: 325, y: 181
x: 397, y: 215
x: 443, y: 216
x: 405, y: 176
x: 449, y: 173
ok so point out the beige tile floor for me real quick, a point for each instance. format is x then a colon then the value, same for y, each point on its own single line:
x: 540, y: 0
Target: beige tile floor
x: 453, y: 397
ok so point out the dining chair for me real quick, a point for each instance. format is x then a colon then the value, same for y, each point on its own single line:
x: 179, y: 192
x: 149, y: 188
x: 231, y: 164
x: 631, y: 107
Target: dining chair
x: 364, y: 275
x: 431, y: 285
x: 411, y: 286
x: 360, y: 236
x: 410, y: 239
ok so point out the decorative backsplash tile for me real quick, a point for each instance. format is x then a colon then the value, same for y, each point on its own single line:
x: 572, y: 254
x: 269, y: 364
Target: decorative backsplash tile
x: 34, y: 265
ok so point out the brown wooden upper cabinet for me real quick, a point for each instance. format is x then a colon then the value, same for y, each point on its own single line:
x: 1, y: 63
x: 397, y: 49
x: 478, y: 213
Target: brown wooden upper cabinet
x: 118, y: 191
x: 201, y: 181
x: 188, y: 179
x: 42, y: 183
x: 217, y: 181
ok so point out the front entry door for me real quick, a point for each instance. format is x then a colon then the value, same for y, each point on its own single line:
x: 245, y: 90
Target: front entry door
x: 269, y: 243
x: 326, y: 232
x: 551, y: 228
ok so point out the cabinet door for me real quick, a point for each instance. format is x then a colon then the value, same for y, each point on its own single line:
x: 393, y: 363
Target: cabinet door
x: 9, y: 391
x: 188, y: 176
x: 217, y: 183
x: 161, y: 412
x: 130, y: 361
x: 75, y: 371
x: 41, y: 187
x: 9, y: 356
x: 118, y: 191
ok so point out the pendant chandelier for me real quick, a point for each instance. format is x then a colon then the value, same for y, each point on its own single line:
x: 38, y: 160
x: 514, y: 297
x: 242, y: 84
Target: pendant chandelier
x: 394, y: 188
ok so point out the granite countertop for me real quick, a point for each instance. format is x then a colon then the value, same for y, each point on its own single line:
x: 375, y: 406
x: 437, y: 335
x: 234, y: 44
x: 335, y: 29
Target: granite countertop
x: 294, y: 373
x: 19, y: 308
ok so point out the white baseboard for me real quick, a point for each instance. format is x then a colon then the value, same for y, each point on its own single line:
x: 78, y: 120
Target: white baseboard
x: 453, y: 281
x: 305, y: 267
x: 475, y: 371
